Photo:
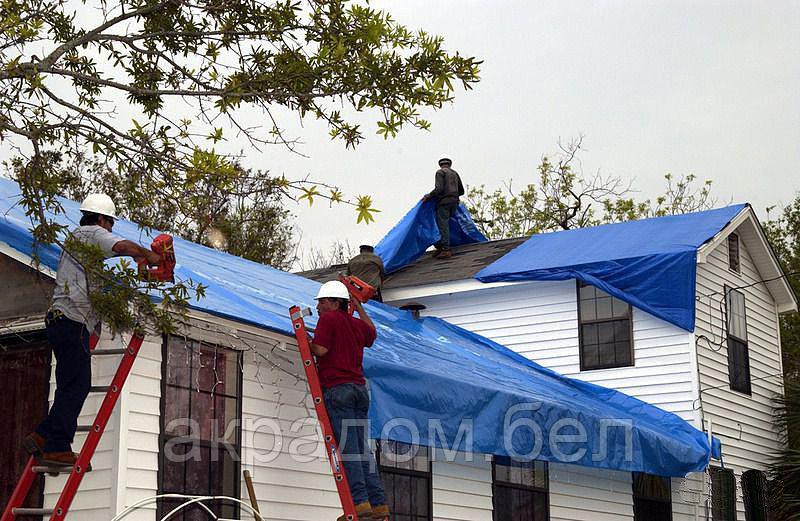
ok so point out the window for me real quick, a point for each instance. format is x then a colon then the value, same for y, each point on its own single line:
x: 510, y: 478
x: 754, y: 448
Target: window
x: 733, y: 253
x: 723, y: 494
x: 605, y: 329
x: 754, y: 490
x: 738, y: 352
x: 200, y: 432
x: 406, y: 476
x: 652, y: 498
x: 519, y: 490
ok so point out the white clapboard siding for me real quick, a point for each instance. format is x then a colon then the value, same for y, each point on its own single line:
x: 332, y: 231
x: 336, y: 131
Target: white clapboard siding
x: 540, y: 321
x: 462, y: 487
x: 94, y: 499
x: 583, y: 493
x: 743, y: 423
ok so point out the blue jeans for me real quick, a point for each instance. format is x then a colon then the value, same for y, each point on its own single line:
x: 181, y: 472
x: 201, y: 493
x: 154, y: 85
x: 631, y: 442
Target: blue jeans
x: 348, y: 406
x: 69, y: 341
x: 445, y: 212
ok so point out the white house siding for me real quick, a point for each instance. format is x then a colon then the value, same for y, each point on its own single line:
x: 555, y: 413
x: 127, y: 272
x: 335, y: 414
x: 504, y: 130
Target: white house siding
x: 540, y: 321
x: 743, y: 423
x: 583, y: 493
x: 462, y: 488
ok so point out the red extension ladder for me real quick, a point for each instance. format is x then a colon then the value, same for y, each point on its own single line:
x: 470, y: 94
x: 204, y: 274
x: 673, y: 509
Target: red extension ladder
x: 95, y: 430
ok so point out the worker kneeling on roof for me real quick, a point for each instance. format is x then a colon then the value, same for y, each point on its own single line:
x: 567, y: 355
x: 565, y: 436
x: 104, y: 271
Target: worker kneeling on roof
x: 339, y: 342
x: 69, y: 322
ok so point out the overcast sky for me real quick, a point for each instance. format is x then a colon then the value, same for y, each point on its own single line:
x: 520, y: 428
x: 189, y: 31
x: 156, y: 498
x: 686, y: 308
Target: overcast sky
x: 702, y: 87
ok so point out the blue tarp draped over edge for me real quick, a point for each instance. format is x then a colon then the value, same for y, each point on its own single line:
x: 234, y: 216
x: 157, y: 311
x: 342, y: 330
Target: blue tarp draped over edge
x: 651, y: 263
x: 430, y: 374
x: 417, y: 231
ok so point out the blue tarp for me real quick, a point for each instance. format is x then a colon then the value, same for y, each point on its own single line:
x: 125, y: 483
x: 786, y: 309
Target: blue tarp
x: 417, y: 231
x: 651, y: 263
x: 430, y: 376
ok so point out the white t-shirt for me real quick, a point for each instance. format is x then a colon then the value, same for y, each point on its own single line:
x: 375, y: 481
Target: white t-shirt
x: 71, y: 294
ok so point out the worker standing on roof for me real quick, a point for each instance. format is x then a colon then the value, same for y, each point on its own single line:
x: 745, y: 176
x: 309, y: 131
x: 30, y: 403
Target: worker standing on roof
x: 446, y: 193
x: 339, y: 342
x: 68, y: 322
x: 368, y: 267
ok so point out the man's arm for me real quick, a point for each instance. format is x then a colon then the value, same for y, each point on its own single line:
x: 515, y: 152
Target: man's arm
x: 131, y: 249
x: 438, y: 189
x: 317, y: 349
x: 362, y: 314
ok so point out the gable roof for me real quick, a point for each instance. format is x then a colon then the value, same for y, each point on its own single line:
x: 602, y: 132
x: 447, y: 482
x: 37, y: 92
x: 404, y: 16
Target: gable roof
x: 427, y: 370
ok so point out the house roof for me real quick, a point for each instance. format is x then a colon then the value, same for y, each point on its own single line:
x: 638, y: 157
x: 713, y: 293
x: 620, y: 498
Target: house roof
x: 465, y: 263
x: 425, y: 373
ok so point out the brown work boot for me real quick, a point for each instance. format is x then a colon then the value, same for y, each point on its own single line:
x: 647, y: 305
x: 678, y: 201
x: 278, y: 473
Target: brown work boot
x: 33, y: 444
x: 379, y: 513
x: 363, y: 511
x: 60, y: 459
x: 444, y: 254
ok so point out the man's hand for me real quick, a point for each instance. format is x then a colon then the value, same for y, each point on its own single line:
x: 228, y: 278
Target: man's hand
x: 361, y: 313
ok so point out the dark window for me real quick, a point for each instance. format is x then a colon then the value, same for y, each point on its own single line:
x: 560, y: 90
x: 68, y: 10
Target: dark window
x: 652, y: 498
x: 200, y: 431
x: 406, y: 476
x: 754, y: 490
x: 519, y: 490
x: 605, y: 329
x: 738, y: 352
x: 733, y: 252
x: 723, y: 494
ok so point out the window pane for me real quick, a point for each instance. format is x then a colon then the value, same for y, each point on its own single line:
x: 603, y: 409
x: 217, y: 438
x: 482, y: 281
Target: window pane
x: 605, y: 332
x: 590, y: 356
x: 225, y: 414
x: 172, y: 467
x: 622, y: 330
x: 607, y: 355
x: 588, y: 310
x: 604, y: 309
x: 621, y: 308
x: 622, y: 351
x: 205, y: 375
x: 733, y: 252
x: 738, y: 366
x: 586, y: 291
x: 202, y: 415
x: 197, y: 471
x: 176, y: 411
x: 421, y: 500
x: 589, y: 332
x: 178, y: 364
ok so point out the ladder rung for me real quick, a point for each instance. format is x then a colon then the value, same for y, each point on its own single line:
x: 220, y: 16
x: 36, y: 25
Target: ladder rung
x: 84, y: 428
x: 99, y: 388
x: 44, y: 469
x: 32, y: 511
x: 100, y: 352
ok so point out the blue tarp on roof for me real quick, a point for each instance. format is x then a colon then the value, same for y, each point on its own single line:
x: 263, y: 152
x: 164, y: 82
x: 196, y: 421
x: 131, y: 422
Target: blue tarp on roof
x: 429, y: 375
x: 651, y: 263
x: 417, y: 231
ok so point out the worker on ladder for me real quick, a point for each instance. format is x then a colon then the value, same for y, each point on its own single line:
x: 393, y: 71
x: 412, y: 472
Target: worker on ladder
x: 368, y: 267
x: 338, y: 343
x: 69, y: 322
x: 446, y: 192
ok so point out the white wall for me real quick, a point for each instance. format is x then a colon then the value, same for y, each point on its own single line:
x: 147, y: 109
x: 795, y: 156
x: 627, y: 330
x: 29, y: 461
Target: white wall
x: 743, y: 423
x: 540, y: 321
x: 462, y: 488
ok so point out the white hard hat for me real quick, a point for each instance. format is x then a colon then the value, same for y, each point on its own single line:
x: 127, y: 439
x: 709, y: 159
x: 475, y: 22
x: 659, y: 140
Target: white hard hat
x: 333, y: 289
x: 99, y: 203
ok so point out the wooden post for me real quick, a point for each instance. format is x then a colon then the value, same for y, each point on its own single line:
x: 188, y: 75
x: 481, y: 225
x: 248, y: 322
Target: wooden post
x: 248, y: 479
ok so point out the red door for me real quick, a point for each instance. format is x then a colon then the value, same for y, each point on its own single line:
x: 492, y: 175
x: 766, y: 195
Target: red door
x: 24, y: 387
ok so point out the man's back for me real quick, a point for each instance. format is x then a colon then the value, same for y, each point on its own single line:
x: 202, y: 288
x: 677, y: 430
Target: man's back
x: 367, y: 267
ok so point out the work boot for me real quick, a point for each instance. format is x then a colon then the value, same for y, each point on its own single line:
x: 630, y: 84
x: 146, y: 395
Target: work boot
x: 363, y: 511
x: 33, y: 444
x: 60, y: 459
x: 444, y: 254
x: 379, y: 513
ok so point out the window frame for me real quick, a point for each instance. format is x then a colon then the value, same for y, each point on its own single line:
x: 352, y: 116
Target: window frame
x: 528, y: 488
x: 738, y: 267
x: 735, y: 342
x: 427, y: 475
x: 634, y: 496
x: 164, y: 438
x: 582, y: 322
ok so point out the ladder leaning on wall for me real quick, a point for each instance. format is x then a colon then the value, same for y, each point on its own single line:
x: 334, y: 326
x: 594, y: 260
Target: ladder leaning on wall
x: 95, y: 431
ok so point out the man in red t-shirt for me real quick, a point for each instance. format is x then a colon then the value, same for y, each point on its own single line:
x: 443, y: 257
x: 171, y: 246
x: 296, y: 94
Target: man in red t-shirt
x: 339, y: 342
